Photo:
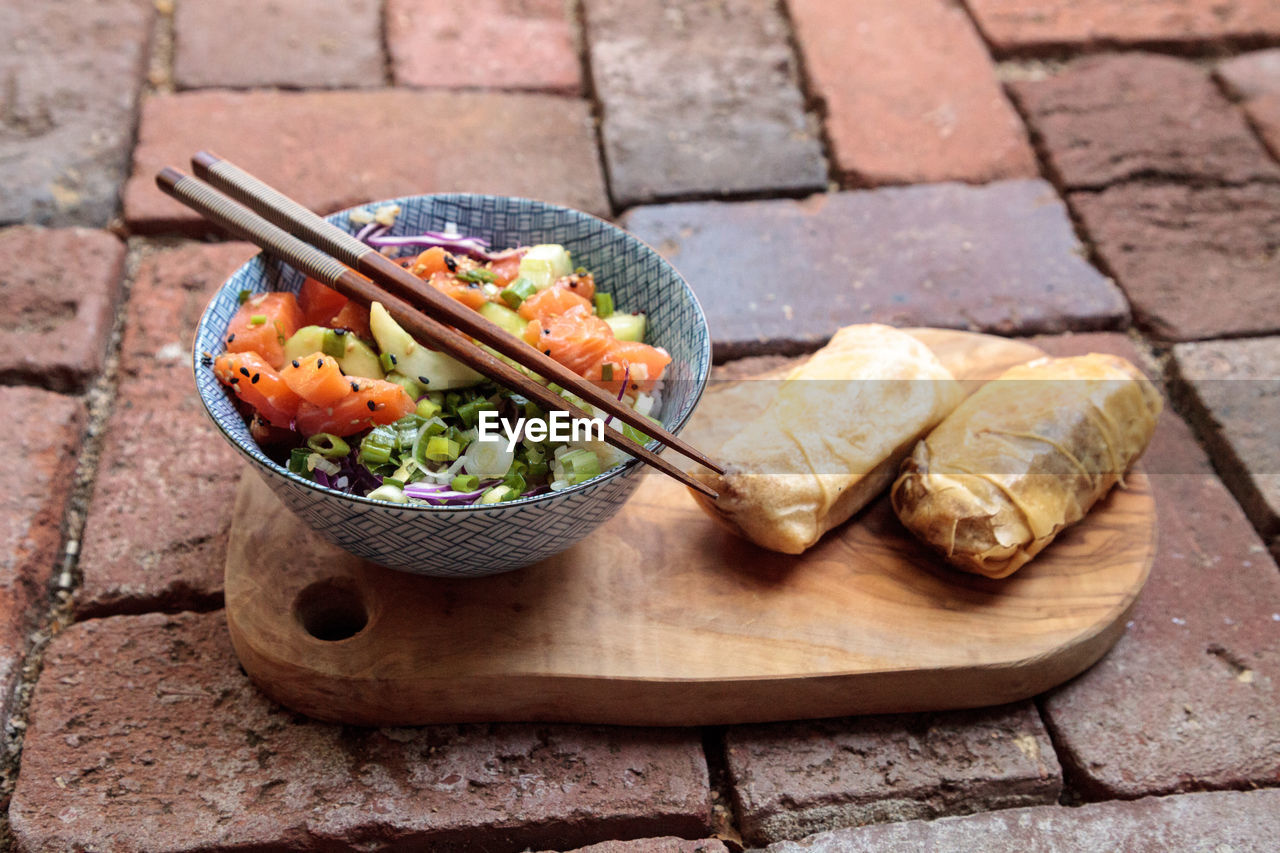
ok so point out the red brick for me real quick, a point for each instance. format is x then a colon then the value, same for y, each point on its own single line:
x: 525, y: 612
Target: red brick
x: 794, y: 779
x: 145, y: 734
x: 1255, y: 79
x: 162, y: 458
x: 330, y: 150
x: 1016, y: 26
x: 1108, y: 119
x: 58, y: 290
x: 782, y: 276
x: 699, y: 99
x: 910, y: 92
x: 1233, y: 391
x: 1171, y: 246
x: 39, y: 452
x: 1189, y: 698
x: 296, y: 43
x: 71, y: 71
x: 1231, y: 822
x: 483, y: 43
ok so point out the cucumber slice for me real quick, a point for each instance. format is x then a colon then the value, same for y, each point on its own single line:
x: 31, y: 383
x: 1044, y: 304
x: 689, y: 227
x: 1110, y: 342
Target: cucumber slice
x: 416, y: 361
x: 357, y: 360
x: 545, y: 263
x: 626, y: 327
x: 504, y: 317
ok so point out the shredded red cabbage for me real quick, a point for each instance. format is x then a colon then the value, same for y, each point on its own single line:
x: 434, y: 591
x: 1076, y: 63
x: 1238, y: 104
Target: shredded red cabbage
x: 475, y: 247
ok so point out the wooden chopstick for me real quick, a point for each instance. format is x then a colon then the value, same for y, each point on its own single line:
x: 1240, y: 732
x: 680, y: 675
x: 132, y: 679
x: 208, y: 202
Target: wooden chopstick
x: 306, y: 225
x: 430, y: 332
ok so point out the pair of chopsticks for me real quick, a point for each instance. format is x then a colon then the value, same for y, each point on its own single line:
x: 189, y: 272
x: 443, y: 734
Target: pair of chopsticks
x: 296, y: 235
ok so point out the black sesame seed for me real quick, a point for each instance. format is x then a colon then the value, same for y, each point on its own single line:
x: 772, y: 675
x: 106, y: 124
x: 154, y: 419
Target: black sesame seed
x: 393, y: 358
x: 546, y: 331
x: 296, y: 364
x: 450, y: 262
x: 424, y: 380
x: 206, y: 359
x: 254, y: 380
x: 319, y: 363
x: 371, y: 406
x: 244, y: 371
x: 339, y: 331
x: 355, y: 386
x: 547, y: 351
x: 234, y: 379
x: 231, y: 339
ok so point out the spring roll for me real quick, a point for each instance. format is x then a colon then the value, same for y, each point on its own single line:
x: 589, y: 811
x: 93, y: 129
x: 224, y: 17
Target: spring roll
x: 831, y: 439
x: 1024, y: 458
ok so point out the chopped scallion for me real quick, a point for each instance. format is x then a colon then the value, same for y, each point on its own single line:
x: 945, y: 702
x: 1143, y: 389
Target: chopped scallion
x: 496, y: 495
x: 243, y: 296
x: 465, y: 483
x: 429, y: 408
x: 257, y: 319
x: 442, y: 449
x: 328, y: 445
x: 604, y: 305
x: 518, y: 291
x: 477, y: 276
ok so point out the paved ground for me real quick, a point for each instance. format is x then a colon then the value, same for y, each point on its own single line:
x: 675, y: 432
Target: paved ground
x: 1103, y: 175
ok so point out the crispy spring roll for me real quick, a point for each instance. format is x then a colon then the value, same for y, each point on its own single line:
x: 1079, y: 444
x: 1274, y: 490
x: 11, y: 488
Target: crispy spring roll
x: 1025, y: 457
x: 831, y: 439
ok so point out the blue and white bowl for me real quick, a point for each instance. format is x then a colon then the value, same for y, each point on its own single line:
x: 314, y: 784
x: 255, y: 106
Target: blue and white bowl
x: 474, y: 541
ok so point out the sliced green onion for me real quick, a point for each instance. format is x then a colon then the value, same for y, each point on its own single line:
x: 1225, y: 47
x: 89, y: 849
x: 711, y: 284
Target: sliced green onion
x: 477, y: 276
x: 580, y: 465
x: 332, y: 344
x: 470, y: 412
x: 606, y: 372
x: 518, y: 291
x: 257, y: 319
x: 393, y: 481
x: 442, y: 449
x: 604, y: 305
x: 429, y: 408
x: 388, y: 362
x: 376, y: 447
x: 298, y: 460
x: 495, y: 495
x: 328, y: 445
x: 515, y: 482
x: 243, y: 296
x: 537, y: 471
x: 465, y: 483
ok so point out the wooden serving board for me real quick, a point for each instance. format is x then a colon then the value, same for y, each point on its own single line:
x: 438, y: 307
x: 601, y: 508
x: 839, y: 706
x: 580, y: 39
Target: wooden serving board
x: 662, y: 618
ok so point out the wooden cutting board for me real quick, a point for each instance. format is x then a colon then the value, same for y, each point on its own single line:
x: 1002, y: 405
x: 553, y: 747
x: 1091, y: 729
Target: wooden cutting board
x: 662, y: 618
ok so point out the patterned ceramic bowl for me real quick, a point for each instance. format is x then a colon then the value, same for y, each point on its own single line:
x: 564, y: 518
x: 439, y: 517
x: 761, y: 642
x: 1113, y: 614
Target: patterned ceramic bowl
x: 473, y: 541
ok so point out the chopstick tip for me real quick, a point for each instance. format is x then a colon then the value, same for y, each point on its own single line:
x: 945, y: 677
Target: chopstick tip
x: 202, y: 160
x: 168, y: 177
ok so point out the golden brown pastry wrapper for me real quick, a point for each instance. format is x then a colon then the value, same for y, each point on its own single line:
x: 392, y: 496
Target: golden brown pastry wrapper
x: 1025, y: 457
x: 831, y: 438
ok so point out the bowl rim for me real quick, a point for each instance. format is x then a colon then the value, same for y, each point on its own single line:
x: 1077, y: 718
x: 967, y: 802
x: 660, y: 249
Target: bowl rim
x: 197, y: 359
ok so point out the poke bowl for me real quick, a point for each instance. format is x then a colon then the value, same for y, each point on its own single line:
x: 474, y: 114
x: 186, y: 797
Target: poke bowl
x: 420, y: 493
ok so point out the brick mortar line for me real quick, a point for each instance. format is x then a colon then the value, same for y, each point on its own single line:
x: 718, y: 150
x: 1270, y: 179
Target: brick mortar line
x: 159, y: 78
x: 59, y: 612
x: 1239, y: 103
x: 726, y: 818
x: 815, y: 106
x: 578, y: 11
x: 384, y: 45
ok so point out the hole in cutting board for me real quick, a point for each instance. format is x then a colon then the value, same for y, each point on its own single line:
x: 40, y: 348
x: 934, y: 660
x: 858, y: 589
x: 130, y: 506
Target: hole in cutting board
x: 331, y: 610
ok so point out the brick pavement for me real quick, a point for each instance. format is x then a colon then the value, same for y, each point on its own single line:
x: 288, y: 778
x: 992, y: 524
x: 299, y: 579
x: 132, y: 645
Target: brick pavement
x: 1158, y: 169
